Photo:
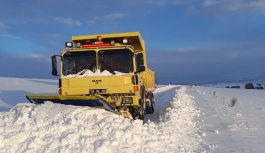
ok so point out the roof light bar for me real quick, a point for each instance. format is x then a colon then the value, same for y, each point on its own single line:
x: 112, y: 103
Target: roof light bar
x: 95, y: 45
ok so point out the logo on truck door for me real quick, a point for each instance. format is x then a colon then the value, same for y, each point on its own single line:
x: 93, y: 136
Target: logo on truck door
x: 96, y: 81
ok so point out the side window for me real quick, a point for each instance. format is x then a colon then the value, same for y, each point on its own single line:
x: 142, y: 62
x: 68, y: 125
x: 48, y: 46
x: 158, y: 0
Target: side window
x: 139, y: 60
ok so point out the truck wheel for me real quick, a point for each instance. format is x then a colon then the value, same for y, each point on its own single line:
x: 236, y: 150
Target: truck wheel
x: 139, y: 112
x: 152, y: 109
x: 150, y: 105
x: 134, y: 112
x: 142, y: 109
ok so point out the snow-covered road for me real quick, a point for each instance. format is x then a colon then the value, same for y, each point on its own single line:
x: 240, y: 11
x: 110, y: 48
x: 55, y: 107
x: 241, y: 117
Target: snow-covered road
x: 230, y: 129
x: 163, y: 97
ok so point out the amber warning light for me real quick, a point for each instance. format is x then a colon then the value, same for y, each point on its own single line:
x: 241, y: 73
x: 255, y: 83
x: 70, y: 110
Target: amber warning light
x: 99, y: 38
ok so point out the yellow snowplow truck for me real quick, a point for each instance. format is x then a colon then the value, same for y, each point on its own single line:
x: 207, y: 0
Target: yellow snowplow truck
x: 106, y: 71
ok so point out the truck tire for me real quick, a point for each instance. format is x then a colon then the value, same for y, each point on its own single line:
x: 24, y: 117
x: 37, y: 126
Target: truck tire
x: 150, y: 107
x: 134, y: 112
x: 143, y: 99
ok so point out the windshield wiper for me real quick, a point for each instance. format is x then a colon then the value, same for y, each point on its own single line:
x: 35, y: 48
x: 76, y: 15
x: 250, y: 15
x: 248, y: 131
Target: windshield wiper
x: 92, y: 67
x: 107, y: 67
x: 83, y: 72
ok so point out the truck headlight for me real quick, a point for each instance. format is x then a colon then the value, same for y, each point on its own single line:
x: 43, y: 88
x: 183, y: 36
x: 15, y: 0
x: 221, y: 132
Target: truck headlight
x: 127, y: 100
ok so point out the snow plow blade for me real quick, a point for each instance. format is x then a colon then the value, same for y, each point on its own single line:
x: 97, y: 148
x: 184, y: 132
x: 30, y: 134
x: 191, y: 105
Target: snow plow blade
x: 91, y: 101
x: 96, y: 101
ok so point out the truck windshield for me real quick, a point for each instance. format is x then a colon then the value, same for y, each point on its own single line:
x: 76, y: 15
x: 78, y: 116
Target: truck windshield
x: 74, y: 62
x: 116, y: 60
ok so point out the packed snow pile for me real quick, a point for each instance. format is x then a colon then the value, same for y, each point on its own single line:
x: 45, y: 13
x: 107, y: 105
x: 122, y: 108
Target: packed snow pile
x: 62, y: 128
x: 186, y: 119
x: 89, y: 73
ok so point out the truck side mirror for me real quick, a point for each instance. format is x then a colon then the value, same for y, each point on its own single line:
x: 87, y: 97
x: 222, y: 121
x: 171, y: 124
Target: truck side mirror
x: 54, y: 65
x: 54, y: 72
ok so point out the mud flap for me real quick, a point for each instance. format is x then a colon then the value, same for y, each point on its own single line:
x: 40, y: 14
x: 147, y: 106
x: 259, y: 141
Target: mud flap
x: 91, y: 101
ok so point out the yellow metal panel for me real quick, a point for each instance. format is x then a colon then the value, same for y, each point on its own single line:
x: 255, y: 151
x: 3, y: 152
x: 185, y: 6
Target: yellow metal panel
x: 110, y: 35
x: 134, y: 36
x: 112, y: 84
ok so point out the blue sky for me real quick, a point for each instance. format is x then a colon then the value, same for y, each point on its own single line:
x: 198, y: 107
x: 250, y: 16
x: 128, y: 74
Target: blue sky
x: 187, y: 41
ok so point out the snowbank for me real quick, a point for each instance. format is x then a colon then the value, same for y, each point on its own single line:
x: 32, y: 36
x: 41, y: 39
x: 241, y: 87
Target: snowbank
x: 186, y: 119
x: 59, y: 128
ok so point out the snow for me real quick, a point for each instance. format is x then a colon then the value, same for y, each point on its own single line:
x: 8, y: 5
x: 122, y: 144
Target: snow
x: 231, y: 129
x: 186, y: 119
x: 89, y: 73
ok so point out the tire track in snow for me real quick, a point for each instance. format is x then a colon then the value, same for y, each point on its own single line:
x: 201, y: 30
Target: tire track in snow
x: 163, y: 96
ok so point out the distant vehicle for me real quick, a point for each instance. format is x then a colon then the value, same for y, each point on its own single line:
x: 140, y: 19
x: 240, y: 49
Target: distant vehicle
x: 107, y: 71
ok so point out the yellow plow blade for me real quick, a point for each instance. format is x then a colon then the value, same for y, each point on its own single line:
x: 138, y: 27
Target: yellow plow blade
x: 92, y: 100
x: 96, y: 101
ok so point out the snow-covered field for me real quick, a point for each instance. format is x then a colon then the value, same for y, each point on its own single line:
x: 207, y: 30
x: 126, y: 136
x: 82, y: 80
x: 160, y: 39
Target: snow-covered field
x: 186, y: 119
